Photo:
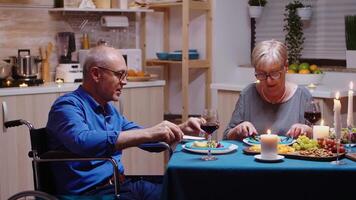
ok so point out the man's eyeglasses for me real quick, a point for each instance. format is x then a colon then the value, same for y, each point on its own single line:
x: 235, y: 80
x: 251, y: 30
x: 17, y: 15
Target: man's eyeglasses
x: 121, y: 75
x: 274, y: 75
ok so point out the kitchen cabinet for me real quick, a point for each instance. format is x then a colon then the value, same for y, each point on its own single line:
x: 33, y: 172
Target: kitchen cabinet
x: 145, y: 107
x: 142, y: 104
x: 186, y: 7
x: 16, y: 168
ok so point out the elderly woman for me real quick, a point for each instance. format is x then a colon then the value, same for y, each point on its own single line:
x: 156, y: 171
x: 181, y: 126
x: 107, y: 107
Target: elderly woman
x: 271, y: 102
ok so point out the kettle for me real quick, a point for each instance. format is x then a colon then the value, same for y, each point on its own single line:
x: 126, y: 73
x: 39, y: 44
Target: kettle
x: 27, y: 65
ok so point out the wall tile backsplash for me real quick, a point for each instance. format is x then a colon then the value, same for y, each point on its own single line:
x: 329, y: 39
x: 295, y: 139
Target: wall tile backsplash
x: 30, y: 28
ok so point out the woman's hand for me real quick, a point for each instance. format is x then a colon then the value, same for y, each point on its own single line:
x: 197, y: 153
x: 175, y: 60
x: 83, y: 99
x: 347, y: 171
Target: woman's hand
x: 241, y: 131
x: 299, y: 129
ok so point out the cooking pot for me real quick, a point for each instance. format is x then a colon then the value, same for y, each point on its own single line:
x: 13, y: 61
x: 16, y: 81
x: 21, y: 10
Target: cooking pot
x: 5, y: 69
x: 27, y: 65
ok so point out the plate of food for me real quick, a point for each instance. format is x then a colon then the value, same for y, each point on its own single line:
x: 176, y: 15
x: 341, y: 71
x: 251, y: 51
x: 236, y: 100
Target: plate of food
x: 256, y: 140
x: 304, y: 149
x: 134, y: 75
x: 202, y: 147
x: 139, y: 78
x: 189, y: 138
x: 314, y: 154
x: 281, y: 149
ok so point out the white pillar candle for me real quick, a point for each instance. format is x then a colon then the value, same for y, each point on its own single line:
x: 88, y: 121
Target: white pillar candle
x: 269, y: 143
x: 320, y: 131
x: 350, y: 112
x: 337, y: 115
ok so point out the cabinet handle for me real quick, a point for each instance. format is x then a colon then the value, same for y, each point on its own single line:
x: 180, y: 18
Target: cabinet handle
x: 4, y: 115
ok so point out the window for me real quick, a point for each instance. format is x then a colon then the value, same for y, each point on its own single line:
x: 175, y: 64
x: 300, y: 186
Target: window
x: 324, y: 33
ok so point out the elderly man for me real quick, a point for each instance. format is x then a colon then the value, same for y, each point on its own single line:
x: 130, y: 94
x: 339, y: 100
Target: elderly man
x: 86, y: 123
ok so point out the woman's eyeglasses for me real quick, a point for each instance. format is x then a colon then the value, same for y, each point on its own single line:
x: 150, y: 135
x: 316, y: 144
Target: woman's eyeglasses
x: 274, y: 75
x: 121, y: 74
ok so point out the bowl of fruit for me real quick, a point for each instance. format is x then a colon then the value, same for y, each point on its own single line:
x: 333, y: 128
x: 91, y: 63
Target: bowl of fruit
x: 304, y: 74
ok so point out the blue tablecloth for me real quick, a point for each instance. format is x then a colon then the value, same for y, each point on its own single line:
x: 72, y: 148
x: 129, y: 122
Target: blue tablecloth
x: 236, y: 175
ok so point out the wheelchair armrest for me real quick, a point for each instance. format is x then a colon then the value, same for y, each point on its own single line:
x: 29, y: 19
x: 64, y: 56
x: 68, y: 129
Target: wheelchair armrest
x: 156, y: 147
x: 63, y: 156
x: 59, y: 155
x: 18, y: 122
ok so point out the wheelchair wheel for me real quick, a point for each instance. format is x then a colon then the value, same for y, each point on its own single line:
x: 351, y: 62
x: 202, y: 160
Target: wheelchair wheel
x: 32, y: 195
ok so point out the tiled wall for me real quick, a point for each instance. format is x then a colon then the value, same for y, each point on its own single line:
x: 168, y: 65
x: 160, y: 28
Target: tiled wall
x: 30, y: 26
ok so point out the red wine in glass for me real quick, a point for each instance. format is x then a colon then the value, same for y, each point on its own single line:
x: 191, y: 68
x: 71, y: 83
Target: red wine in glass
x: 312, y: 112
x: 312, y: 117
x: 210, y: 127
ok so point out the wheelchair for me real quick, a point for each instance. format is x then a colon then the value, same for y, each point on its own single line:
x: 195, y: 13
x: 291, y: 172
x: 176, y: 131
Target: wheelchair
x: 42, y: 156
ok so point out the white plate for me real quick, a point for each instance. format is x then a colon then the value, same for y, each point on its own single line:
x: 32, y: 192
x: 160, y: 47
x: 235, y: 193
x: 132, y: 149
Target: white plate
x: 282, y: 139
x: 231, y: 148
x: 277, y: 158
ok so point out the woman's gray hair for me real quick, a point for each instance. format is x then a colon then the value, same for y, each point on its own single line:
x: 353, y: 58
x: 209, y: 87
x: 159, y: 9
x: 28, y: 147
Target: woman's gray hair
x: 269, y: 51
x: 99, y: 56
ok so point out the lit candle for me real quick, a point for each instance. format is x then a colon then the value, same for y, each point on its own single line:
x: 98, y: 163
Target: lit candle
x: 269, y: 143
x: 23, y: 85
x: 320, y: 131
x: 350, y: 112
x: 337, y: 115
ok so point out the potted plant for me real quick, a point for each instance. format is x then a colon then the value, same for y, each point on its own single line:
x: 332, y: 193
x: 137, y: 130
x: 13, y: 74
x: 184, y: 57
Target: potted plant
x: 293, y: 27
x: 256, y: 7
x: 304, y: 10
x: 350, y: 34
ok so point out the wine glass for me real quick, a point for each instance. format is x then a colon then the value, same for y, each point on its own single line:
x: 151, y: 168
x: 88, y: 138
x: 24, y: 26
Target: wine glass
x: 312, y: 113
x: 337, y: 161
x: 210, y: 126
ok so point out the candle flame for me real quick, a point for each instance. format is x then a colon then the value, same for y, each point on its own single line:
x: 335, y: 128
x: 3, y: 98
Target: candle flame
x: 351, y: 85
x: 322, y: 122
x: 257, y: 81
x: 59, y: 81
x: 337, y: 95
x: 269, y: 131
x: 23, y: 85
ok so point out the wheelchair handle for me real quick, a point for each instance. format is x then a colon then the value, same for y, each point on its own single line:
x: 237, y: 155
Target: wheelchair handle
x: 18, y: 122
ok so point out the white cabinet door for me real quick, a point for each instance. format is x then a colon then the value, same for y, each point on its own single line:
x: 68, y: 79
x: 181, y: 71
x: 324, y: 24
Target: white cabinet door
x: 145, y: 107
x: 15, y: 167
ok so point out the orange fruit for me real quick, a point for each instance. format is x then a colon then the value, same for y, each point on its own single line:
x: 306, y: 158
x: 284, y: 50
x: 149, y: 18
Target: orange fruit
x: 131, y: 72
x: 290, y: 71
x: 313, y: 67
x: 141, y: 73
x: 304, y: 71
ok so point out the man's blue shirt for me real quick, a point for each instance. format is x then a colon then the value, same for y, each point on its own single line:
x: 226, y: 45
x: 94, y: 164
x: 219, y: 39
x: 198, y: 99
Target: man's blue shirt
x: 77, y: 123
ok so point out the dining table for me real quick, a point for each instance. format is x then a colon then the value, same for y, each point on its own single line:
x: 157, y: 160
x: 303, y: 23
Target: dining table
x: 237, y: 175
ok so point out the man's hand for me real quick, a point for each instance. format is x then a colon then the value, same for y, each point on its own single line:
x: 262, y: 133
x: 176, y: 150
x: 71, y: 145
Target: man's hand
x: 166, y: 132
x: 241, y: 131
x: 299, y: 129
x: 192, y: 125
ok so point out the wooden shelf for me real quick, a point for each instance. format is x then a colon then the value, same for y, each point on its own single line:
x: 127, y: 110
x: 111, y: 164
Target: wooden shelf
x: 194, y: 5
x: 198, y: 64
x: 185, y: 6
x: 98, y: 10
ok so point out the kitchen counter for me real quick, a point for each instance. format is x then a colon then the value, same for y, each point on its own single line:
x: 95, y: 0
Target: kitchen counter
x: 67, y: 87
